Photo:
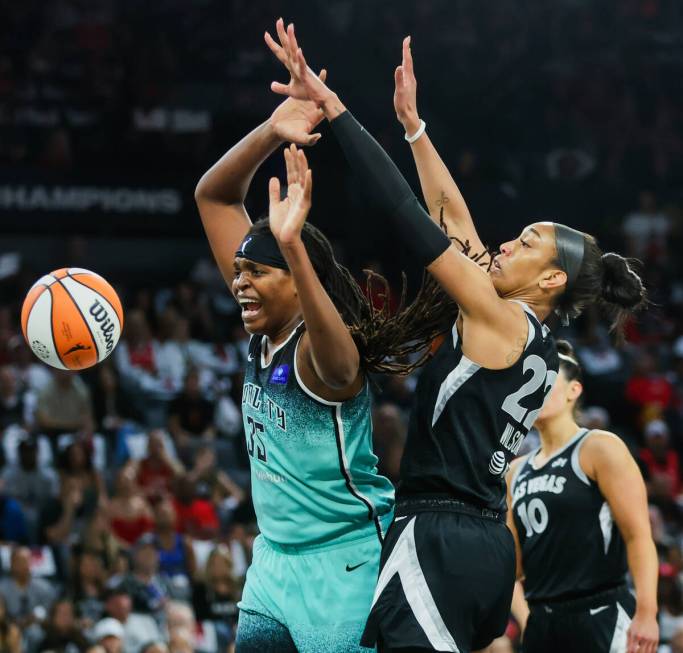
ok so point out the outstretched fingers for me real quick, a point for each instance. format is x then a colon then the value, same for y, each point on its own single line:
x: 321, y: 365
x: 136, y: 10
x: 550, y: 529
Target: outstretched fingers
x: 291, y: 166
x: 274, y: 191
x: 276, y: 48
x: 407, y: 56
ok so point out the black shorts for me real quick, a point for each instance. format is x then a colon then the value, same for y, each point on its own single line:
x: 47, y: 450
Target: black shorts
x: 446, y: 577
x: 595, y: 624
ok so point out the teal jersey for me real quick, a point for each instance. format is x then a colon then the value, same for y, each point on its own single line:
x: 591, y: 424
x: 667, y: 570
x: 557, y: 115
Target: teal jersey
x: 313, y: 472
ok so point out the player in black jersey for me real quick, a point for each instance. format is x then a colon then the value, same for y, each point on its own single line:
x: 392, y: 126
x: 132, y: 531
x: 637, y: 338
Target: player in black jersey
x: 448, y: 561
x: 578, y: 511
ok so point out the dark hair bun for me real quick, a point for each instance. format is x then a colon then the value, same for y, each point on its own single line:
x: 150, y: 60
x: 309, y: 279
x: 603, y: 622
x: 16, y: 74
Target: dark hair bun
x: 621, y: 285
x: 565, y: 348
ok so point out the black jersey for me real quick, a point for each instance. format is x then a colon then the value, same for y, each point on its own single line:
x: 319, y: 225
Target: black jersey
x: 570, y: 544
x: 468, y: 421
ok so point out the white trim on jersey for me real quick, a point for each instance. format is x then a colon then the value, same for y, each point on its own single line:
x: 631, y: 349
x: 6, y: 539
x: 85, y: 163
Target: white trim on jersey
x: 456, y: 335
x: 403, y: 561
x: 580, y: 433
x: 576, y: 463
x: 337, y: 405
x: 462, y: 372
x: 275, y: 350
x: 606, y: 525
x: 620, y: 639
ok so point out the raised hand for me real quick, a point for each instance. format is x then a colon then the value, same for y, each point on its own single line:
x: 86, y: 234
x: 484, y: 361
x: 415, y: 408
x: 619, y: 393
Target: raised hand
x: 287, y: 216
x: 405, y: 91
x: 294, y: 120
x: 303, y: 83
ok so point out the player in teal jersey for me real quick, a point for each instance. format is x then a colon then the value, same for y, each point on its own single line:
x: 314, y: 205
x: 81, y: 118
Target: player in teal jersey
x: 321, y: 506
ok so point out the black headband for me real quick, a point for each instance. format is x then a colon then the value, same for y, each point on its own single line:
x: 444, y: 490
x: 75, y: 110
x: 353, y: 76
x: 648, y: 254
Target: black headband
x: 570, y: 245
x: 262, y: 248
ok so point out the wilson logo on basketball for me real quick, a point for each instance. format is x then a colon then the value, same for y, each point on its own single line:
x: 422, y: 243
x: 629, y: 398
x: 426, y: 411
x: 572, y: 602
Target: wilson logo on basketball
x: 101, y: 316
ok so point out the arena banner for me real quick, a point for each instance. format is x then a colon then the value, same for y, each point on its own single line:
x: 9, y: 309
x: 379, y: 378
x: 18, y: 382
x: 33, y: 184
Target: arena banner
x: 34, y: 198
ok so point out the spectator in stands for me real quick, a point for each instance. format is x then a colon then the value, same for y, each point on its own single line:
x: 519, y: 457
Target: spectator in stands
x: 648, y: 387
x: 97, y: 538
x: 190, y: 415
x: 129, y: 514
x: 181, y: 626
x: 75, y: 462
x: 112, y: 408
x: 28, y: 599
x: 13, y: 524
x: 64, y: 405
x: 63, y: 633
x: 10, y: 635
x: 87, y: 587
x: 670, y: 600
x: 215, y: 597
x: 156, y: 472
x: 662, y: 462
x: 196, y: 517
x: 176, y: 556
x: 148, y: 590
x: 215, y: 484
x: 137, y: 628
x: 64, y: 515
x: 109, y: 634
x: 32, y: 486
x: 150, y: 371
x: 12, y: 408
x: 647, y: 229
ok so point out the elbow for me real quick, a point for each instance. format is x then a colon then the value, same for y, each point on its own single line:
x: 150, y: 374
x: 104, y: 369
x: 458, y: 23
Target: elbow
x: 200, y: 191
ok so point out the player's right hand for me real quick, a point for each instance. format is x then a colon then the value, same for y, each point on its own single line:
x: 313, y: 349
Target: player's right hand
x: 405, y: 91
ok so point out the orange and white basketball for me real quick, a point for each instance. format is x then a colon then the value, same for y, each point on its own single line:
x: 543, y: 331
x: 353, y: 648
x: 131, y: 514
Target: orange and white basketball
x: 72, y: 318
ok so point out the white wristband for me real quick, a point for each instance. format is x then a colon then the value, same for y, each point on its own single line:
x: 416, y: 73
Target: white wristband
x: 417, y: 134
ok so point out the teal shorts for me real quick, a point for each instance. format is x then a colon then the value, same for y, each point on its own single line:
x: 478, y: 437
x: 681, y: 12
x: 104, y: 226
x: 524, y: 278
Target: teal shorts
x: 321, y: 595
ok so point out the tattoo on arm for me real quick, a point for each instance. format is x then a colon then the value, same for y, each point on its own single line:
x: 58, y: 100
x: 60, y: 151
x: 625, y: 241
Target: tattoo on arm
x: 516, y: 352
x: 443, y: 199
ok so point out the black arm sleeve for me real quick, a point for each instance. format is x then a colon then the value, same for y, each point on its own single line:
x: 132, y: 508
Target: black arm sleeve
x: 388, y: 187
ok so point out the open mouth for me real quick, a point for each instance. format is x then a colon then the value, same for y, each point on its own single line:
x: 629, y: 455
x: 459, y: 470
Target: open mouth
x: 250, y: 308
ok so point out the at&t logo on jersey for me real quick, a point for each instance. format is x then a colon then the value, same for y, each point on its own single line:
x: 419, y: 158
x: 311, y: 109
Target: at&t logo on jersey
x: 498, y: 466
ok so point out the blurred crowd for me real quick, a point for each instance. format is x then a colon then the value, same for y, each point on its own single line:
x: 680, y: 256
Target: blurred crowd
x: 125, y: 515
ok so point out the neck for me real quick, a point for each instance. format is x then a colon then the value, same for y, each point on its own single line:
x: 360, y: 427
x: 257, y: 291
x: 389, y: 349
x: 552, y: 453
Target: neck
x: 537, y: 304
x: 555, y: 433
x: 277, y: 338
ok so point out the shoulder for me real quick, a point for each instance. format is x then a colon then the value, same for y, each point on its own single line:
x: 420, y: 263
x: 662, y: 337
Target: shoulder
x: 602, y: 450
x: 600, y: 443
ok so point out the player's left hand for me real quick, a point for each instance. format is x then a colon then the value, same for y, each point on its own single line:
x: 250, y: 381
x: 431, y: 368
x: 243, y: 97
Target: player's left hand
x: 304, y: 84
x: 294, y: 120
x: 287, y: 216
x: 643, y: 634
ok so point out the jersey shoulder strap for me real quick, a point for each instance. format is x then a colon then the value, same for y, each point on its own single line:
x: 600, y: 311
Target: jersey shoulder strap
x: 576, y: 453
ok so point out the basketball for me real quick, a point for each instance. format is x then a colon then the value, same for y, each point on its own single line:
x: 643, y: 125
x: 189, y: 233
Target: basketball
x: 72, y: 318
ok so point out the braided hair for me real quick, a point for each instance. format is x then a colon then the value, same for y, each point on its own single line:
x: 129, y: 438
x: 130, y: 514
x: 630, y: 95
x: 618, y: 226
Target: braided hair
x: 384, y: 337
